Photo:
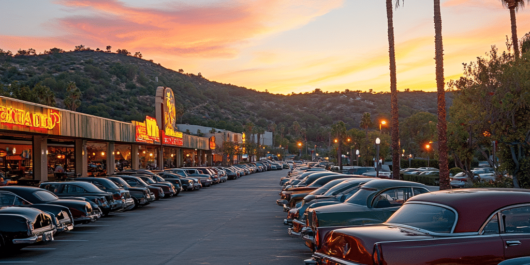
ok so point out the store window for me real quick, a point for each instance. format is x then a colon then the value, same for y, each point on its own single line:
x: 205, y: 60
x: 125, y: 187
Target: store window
x: 97, y: 158
x: 189, y: 158
x: 148, y: 157
x: 61, y: 161
x: 122, y: 157
x: 170, y: 157
x: 16, y: 160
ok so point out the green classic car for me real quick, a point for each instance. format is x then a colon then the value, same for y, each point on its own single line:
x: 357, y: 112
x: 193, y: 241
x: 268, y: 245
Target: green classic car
x: 374, y: 203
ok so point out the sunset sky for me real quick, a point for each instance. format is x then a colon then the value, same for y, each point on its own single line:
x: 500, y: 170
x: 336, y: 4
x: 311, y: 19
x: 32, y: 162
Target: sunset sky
x: 283, y: 46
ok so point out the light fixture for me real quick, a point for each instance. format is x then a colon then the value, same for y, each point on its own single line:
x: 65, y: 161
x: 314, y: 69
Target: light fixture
x: 357, y: 152
x: 171, y: 155
x: 46, y: 151
x: 428, y: 146
x: 317, y: 154
x: 118, y: 152
x: 93, y: 154
x: 102, y: 153
x: 150, y: 154
x: 336, y: 141
x: 188, y: 155
x: 143, y: 152
x: 377, y: 141
x: 383, y: 122
x: 349, y: 139
x: 14, y: 150
x: 59, y: 156
x: 112, y: 153
x: 82, y: 152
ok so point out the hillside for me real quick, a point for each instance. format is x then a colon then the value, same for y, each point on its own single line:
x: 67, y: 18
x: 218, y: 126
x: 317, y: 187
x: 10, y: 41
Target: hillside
x: 123, y: 87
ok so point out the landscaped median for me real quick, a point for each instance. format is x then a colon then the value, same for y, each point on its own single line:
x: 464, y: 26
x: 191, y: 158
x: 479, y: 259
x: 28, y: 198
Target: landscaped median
x: 430, y: 180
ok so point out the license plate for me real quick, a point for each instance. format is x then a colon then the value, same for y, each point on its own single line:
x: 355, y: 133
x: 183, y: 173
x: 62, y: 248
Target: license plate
x: 47, y: 236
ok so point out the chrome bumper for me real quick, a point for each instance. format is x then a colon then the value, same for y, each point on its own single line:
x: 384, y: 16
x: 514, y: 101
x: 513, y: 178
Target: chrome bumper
x: 319, y: 258
x: 286, y: 208
x: 44, y: 237
x: 65, y: 227
x: 292, y: 233
x: 281, y: 202
x: 129, y: 203
x: 287, y: 221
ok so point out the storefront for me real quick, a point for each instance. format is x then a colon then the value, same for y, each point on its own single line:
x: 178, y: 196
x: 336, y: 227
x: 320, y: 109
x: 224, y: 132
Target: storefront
x: 39, y: 143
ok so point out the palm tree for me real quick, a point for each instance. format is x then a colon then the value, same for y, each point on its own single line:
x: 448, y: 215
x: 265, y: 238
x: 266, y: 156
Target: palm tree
x: 514, y: 6
x: 440, y: 83
x: 393, y: 87
x: 339, y: 130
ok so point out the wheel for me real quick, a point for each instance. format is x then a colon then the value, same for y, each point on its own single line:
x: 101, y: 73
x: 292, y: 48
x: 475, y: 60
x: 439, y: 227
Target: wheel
x: 177, y: 194
x: 135, y: 203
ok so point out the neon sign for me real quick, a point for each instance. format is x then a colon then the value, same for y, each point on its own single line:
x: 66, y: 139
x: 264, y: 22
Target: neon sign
x: 35, y: 121
x: 167, y: 117
x: 147, y: 131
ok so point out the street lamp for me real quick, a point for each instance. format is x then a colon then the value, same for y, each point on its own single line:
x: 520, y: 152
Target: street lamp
x: 357, y: 156
x: 383, y: 122
x: 428, y: 146
x: 300, y: 148
x: 410, y: 160
x: 377, y: 143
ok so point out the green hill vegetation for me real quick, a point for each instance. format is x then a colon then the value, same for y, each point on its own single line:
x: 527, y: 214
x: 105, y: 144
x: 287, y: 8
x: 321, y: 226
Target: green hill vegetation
x: 122, y: 87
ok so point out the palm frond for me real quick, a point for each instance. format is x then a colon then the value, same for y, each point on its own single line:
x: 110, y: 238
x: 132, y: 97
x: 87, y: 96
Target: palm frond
x: 402, y: 3
x: 518, y: 4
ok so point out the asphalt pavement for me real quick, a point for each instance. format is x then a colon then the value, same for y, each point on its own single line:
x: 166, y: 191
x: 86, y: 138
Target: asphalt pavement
x: 237, y: 222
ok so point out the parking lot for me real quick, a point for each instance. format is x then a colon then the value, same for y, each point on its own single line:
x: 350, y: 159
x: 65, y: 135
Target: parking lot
x: 236, y: 222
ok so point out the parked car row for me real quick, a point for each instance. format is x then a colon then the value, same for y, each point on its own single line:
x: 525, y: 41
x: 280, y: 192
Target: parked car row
x: 354, y: 219
x: 30, y: 215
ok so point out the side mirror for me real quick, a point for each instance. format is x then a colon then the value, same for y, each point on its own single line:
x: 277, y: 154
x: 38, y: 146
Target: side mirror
x: 309, y: 198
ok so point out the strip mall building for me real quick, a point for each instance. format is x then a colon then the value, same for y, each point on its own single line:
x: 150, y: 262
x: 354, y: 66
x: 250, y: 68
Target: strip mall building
x: 39, y: 143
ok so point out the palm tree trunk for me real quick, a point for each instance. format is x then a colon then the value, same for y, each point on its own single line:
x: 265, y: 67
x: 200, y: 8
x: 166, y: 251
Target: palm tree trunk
x: 515, y: 40
x: 440, y: 83
x: 393, y: 90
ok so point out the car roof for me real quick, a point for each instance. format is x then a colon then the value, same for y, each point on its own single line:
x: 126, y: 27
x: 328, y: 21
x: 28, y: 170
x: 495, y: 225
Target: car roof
x: 381, y: 184
x: 474, y: 206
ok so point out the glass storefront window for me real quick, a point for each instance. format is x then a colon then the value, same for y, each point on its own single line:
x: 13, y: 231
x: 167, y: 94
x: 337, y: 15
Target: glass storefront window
x: 170, y: 157
x: 61, y: 162
x: 148, y: 157
x: 97, y: 158
x: 16, y: 161
x: 189, y: 158
x: 122, y: 157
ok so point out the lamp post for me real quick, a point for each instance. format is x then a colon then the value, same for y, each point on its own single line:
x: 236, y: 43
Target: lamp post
x: 339, y: 158
x: 428, y: 147
x: 377, y: 143
x: 357, y: 156
x: 410, y: 160
x: 383, y: 122
x: 300, y: 149
x: 351, y: 152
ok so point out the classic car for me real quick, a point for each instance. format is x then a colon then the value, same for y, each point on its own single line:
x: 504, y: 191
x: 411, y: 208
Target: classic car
x: 373, y: 203
x: 22, y: 226
x: 316, y: 184
x: 285, y: 195
x: 169, y: 189
x: 220, y: 173
x: 231, y: 173
x: 141, y: 195
x: 82, y: 189
x: 177, y: 185
x: 81, y: 211
x: 61, y: 216
x: 468, y: 226
x: 306, y: 179
x: 138, y: 182
x: 205, y: 179
x: 187, y: 183
x: 122, y: 198
x: 336, y: 191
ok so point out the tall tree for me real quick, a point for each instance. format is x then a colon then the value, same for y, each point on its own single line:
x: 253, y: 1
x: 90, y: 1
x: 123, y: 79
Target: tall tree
x: 440, y: 84
x: 393, y: 87
x: 73, y: 97
x: 338, y: 130
x: 514, y: 6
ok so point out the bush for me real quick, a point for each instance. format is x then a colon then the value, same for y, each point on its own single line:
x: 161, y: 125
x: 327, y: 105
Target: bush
x: 427, y: 180
x: 455, y: 170
x: 501, y: 182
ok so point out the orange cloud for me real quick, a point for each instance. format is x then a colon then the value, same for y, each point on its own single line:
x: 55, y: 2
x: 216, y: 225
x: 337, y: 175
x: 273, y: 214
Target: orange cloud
x: 214, y: 30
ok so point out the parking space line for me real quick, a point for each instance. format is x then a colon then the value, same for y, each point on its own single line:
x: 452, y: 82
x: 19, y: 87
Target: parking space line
x: 37, y: 248
x: 93, y: 225
x: 82, y: 232
x: 70, y: 240
x: 16, y: 262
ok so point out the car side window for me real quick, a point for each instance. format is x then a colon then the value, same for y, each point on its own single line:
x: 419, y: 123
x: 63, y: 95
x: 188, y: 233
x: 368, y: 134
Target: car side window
x: 97, y: 184
x: 20, y: 202
x: 131, y: 182
x: 392, y: 198
x: 516, y: 220
x: 418, y: 191
x: 7, y: 199
x: 492, y: 227
x: 74, y: 189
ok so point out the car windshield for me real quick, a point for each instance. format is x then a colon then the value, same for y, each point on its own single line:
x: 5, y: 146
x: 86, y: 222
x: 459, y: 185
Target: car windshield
x: 425, y: 216
x: 109, y: 184
x: 341, y: 188
x: 361, y: 197
x: 120, y: 182
x: 326, y: 187
x: 45, y: 196
x: 148, y: 180
x: 159, y: 179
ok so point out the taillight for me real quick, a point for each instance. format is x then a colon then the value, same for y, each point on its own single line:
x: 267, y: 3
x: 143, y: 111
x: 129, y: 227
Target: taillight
x: 317, y: 239
x: 315, y: 220
x: 377, y: 258
x: 116, y: 196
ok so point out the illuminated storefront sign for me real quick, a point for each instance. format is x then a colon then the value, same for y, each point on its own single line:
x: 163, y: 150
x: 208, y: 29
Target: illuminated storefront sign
x: 212, y: 143
x: 167, y: 117
x: 147, y: 132
x: 20, y: 119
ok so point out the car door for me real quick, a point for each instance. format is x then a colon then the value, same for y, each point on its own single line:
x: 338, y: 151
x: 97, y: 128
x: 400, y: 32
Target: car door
x: 516, y: 231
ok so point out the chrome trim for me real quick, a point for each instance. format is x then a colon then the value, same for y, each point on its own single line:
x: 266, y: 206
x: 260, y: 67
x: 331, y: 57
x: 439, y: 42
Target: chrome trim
x: 298, y: 222
x: 28, y: 240
x: 481, y: 229
x: 337, y: 260
x: 381, y: 191
x: 443, y: 238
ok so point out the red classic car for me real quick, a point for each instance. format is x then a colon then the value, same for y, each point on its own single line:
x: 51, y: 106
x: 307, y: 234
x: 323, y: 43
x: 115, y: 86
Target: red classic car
x: 468, y: 226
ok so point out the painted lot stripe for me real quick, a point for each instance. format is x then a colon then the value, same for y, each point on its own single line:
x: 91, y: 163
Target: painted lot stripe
x: 93, y: 225
x: 16, y: 262
x: 81, y: 232
x: 68, y: 240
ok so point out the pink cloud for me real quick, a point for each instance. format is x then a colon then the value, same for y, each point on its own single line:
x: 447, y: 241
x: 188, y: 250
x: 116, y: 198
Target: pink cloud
x: 219, y: 30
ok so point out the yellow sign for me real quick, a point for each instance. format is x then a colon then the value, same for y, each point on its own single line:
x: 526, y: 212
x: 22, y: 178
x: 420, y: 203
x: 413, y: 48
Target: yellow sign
x: 35, y: 121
